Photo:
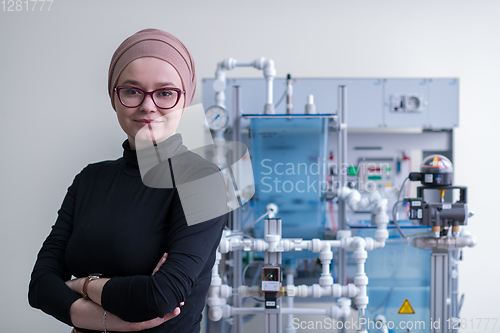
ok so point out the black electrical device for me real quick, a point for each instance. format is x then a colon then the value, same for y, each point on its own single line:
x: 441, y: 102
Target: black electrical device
x: 436, y: 174
x: 271, y: 283
x: 416, y: 211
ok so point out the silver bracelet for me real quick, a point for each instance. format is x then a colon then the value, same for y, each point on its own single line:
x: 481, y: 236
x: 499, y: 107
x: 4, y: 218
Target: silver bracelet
x: 104, y: 322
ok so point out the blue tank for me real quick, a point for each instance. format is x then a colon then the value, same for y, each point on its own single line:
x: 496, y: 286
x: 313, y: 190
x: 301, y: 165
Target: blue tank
x: 288, y: 160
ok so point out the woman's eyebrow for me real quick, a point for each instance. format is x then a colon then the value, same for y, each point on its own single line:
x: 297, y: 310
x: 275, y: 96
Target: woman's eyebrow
x: 159, y: 84
x: 164, y: 84
x: 131, y: 82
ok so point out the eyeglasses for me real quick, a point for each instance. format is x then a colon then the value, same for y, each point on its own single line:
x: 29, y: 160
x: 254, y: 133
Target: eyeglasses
x: 164, y: 98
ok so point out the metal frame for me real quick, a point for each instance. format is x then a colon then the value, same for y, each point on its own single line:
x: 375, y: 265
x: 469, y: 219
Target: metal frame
x: 440, y: 290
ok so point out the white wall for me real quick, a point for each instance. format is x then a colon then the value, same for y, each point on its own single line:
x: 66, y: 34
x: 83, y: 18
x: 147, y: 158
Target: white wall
x: 56, y: 116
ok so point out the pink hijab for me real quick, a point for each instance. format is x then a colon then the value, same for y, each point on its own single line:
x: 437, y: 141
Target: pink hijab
x: 159, y: 44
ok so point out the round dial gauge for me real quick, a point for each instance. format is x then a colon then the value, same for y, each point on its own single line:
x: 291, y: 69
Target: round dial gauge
x: 217, y: 118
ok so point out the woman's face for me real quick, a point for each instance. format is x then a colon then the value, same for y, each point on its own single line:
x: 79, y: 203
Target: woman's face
x: 149, y: 74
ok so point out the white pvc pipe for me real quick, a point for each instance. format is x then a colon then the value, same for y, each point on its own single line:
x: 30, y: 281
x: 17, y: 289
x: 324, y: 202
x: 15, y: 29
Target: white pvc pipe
x: 378, y: 203
x: 325, y: 288
x: 266, y: 65
x: 244, y: 311
x: 335, y: 243
x: 269, y: 90
x: 213, y: 300
x: 292, y: 311
x: 361, y: 280
x: 325, y: 257
x: 334, y: 312
x: 310, y: 311
x: 244, y: 64
x: 325, y: 269
x: 289, y: 301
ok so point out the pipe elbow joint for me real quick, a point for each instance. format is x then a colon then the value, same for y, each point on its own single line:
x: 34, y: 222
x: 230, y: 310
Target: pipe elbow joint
x: 259, y: 63
x: 224, y: 246
x: 215, y: 313
x: 345, y: 306
x: 269, y: 70
x: 354, y: 200
x: 229, y: 63
x: 471, y: 241
x: 381, y: 206
x: 381, y: 235
x: 359, y: 244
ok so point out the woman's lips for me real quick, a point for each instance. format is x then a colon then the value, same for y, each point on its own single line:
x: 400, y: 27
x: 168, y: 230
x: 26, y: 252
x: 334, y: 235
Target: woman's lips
x: 147, y: 122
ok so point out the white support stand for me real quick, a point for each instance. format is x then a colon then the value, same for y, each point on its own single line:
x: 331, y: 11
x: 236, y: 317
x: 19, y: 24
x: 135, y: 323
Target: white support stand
x: 272, y: 230
x: 289, y: 302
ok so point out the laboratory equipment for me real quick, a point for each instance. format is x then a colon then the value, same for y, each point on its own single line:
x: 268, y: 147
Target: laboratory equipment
x: 332, y: 243
x: 437, y: 174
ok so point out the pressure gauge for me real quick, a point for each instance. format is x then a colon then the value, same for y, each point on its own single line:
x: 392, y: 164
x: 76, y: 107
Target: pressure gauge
x: 217, y: 118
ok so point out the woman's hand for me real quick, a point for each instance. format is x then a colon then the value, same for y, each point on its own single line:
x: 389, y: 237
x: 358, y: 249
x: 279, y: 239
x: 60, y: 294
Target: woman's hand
x: 160, y: 263
x: 144, y: 325
x: 89, y: 315
x: 76, y: 285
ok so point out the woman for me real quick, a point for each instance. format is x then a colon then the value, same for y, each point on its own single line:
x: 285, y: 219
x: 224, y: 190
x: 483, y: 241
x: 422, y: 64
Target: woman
x: 112, y: 224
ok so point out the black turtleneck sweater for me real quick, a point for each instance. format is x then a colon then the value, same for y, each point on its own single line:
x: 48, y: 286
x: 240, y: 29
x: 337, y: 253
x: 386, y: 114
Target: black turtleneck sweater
x: 111, y: 223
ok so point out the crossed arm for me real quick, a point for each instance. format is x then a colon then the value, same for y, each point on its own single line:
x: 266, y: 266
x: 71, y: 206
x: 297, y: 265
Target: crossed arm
x: 88, y: 314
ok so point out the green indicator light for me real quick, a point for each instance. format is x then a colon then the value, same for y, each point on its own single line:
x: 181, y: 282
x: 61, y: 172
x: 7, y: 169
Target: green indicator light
x: 374, y: 177
x: 352, y: 171
x: 388, y: 169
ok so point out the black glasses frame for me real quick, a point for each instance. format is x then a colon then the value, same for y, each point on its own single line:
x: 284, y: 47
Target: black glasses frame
x: 149, y: 93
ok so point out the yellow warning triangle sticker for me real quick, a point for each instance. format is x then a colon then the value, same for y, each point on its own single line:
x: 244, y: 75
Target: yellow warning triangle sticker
x: 406, y: 308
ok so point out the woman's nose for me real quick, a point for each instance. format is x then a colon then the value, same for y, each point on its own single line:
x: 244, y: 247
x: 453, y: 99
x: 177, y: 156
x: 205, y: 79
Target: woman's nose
x: 148, y: 105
